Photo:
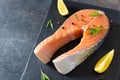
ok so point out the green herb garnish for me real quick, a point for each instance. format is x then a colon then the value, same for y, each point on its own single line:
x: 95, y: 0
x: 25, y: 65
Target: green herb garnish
x: 49, y: 23
x: 44, y: 76
x: 76, y: 17
x: 95, y: 31
x: 95, y: 13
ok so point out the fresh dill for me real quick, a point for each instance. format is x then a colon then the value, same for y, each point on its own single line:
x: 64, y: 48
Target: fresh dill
x: 95, y: 31
x: 49, y: 23
x: 44, y: 76
x: 95, y: 13
x: 76, y: 17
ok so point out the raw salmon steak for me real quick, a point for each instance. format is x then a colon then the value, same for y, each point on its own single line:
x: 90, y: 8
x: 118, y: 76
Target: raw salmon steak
x: 92, y: 24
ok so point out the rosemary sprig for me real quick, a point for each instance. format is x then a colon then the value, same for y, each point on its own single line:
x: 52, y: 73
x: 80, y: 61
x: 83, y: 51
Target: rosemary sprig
x: 44, y: 76
x: 95, y: 31
x: 76, y: 17
x: 49, y: 23
x: 96, y: 13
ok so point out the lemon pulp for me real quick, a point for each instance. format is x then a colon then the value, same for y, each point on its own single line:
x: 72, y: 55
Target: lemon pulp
x: 62, y: 8
x: 103, y: 64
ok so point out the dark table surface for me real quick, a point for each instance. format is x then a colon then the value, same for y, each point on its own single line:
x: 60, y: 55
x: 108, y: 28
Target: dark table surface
x: 20, y: 22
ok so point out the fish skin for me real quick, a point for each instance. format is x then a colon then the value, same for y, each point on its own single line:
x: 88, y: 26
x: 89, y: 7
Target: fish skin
x: 68, y: 61
x: 65, y: 65
x: 45, y: 49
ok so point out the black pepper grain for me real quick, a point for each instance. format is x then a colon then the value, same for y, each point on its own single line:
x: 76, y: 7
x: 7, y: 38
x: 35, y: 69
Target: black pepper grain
x: 93, y: 25
x: 82, y: 19
x: 73, y: 23
x: 63, y: 28
x: 82, y: 15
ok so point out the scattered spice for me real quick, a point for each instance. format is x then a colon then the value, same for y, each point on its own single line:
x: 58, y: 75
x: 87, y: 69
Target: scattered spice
x: 63, y: 28
x: 76, y: 17
x: 95, y: 31
x: 58, y: 22
x: 93, y: 25
x: 49, y: 23
x: 111, y: 21
x: 73, y: 23
x: 44, y: 76
x: 91, y: 18
x: 82, y: 19
x: 82, y: 16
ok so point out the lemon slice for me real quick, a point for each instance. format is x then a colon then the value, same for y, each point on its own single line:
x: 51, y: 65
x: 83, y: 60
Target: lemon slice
x: 62, y: 8
x: 103, y: 64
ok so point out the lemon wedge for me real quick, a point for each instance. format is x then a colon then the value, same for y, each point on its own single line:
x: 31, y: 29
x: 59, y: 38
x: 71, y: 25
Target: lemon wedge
x: 103, y: 64
x: 62, y: 8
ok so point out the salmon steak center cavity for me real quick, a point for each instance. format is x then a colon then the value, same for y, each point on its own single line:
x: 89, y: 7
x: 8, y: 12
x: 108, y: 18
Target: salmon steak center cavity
x: 92, y: 24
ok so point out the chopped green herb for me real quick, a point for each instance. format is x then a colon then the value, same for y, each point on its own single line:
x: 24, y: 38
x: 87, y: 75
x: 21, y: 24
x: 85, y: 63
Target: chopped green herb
x: 96, y: 13
x: 49, y: 23
x: 95, y: 31
x: 44, y: 76
x: 76, y: 17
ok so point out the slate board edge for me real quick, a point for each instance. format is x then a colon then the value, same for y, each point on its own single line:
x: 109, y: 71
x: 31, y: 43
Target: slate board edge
x: 91, y: 5
x: 34, y: 45
x: 24, y: 71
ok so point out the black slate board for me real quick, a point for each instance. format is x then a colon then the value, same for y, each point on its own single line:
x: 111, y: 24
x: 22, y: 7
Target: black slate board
x: 85, y: 70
